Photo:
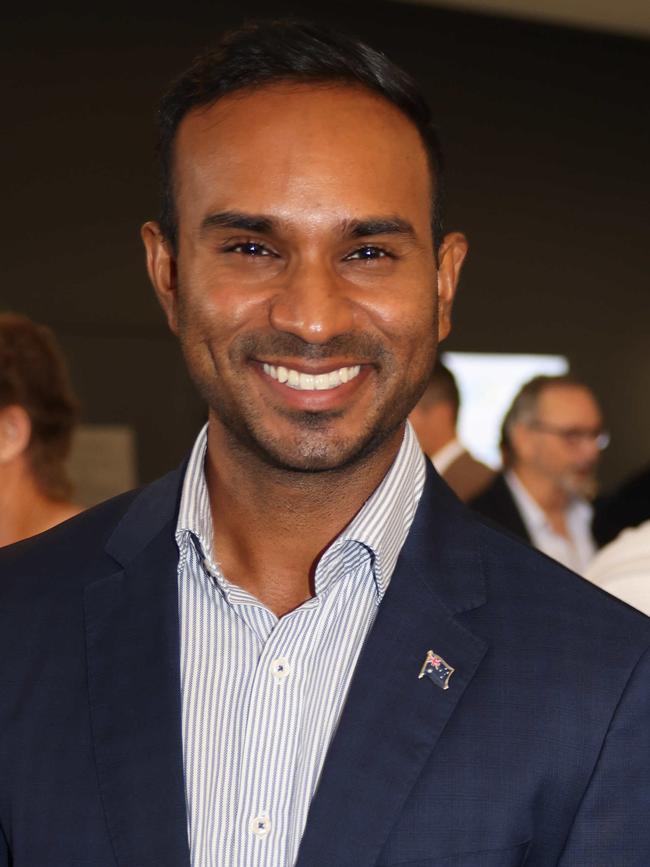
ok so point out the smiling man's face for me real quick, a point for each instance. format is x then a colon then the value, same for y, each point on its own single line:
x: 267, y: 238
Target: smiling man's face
x: 305, y: 290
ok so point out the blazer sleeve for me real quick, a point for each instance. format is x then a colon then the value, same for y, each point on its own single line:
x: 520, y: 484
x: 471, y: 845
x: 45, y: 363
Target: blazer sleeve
x: 612, y: 824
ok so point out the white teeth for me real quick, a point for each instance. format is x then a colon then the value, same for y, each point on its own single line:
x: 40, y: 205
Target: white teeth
x: 311, y: 382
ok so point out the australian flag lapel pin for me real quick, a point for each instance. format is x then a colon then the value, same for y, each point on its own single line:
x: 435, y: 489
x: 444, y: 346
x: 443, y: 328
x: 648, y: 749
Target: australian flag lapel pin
x: 437, y: 670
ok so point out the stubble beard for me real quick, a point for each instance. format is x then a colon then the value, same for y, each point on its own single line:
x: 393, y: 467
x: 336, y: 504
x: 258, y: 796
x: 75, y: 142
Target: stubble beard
x: 314, y: 447
x: 578, y: 485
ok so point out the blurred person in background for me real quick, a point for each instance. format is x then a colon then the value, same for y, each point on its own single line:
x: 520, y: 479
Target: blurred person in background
x: 38, y: 411
x: 551, y: 440
x: 434, y: 420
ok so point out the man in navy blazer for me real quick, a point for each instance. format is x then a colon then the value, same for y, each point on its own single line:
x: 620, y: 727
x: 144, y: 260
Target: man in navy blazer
x: 498, y: 707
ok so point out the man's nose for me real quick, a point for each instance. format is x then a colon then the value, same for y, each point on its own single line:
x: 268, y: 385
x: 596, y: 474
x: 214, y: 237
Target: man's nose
x: 313, y: 303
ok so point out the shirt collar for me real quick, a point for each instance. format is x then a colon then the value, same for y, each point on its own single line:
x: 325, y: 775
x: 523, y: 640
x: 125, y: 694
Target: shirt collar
x: 533, y: 514
x: 379, y: 529
x: 195, y: 515
x: 384, y: 521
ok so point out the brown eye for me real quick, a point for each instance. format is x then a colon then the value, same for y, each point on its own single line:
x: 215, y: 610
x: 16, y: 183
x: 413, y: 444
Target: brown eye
x: 250, y: 248
x: 368, y: 252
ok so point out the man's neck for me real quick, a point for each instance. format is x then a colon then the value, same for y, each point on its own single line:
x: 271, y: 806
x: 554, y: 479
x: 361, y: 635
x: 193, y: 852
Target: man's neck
x: 271, y: 525
x: 549, y: 497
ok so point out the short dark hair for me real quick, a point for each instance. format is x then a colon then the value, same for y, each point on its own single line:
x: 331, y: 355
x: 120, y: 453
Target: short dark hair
x: 441, y: 388
x: 523, y: 408
x: 270, y: 52
x: 33, y: 375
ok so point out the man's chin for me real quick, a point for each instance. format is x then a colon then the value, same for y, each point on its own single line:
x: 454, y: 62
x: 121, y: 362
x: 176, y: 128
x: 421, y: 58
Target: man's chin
x: 585, y: 487
x: 317, y: 457
x: 316, y: 448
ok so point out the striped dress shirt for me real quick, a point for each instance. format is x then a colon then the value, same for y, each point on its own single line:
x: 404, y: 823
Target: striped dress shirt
x: 261, y: 696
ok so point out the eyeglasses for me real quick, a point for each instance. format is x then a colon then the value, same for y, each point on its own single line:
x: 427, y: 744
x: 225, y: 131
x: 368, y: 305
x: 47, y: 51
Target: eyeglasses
x: 574, y: 436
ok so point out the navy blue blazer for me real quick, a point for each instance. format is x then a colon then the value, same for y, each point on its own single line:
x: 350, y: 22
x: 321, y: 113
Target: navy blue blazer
x: 538, y: 753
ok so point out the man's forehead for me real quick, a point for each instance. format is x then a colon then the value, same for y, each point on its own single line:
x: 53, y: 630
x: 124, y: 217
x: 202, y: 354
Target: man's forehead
x: 567, y: 399
x: 337, y: 150
x: 303, y: 110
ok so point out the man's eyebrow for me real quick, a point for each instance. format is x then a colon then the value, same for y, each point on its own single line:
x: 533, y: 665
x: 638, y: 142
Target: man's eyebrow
x: 357, y: 228
x: 378, y: 226
x: 237, y: 220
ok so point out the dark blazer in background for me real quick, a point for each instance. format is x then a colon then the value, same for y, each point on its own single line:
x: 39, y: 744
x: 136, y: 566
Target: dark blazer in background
x: 629, y: 506
x: 498, y: 505
x: 538, y: 753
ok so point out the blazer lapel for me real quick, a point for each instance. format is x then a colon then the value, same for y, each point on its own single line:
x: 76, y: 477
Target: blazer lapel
x: 392, y: 719
x: 132, y: 646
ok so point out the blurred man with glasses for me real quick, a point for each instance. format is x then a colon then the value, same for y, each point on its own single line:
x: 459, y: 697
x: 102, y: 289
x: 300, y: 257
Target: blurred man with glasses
x: 551, y: 441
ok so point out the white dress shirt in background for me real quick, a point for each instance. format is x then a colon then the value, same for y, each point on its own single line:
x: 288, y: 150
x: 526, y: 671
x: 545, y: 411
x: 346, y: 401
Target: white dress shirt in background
x: 623, y: 567
x: 576, y: 549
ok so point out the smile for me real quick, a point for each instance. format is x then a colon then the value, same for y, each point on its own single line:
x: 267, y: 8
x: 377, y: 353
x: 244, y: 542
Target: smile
x: 310, y: 381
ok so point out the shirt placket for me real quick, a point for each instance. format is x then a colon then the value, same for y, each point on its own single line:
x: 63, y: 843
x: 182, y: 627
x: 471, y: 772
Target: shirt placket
x: 270, y: 743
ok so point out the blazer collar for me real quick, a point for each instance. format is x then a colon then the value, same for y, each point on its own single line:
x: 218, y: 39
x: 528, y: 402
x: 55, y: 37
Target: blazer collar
x: 152, y: 509
x: 132, y: 649
x: 445, y: 547
x: 392, y: 719
x: 434, y: 536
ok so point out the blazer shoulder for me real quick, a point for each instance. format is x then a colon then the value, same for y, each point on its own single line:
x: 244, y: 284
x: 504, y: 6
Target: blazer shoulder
x: 65, y: 547
x: 542, y: 592
x: 110, y: 533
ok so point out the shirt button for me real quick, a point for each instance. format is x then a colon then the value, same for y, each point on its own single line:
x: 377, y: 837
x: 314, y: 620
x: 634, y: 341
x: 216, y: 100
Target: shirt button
x: 260, y: 825
x: 280, y: 669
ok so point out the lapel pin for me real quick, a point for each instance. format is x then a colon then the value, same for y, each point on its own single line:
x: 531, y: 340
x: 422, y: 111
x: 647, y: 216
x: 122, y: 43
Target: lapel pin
x: 437, y: 670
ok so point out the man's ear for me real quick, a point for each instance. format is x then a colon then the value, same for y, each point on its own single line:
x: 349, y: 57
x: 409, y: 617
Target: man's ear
x: 451, y: 256
x: 521, y: 438
x: 161, y: 266
x: 15, y: 432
